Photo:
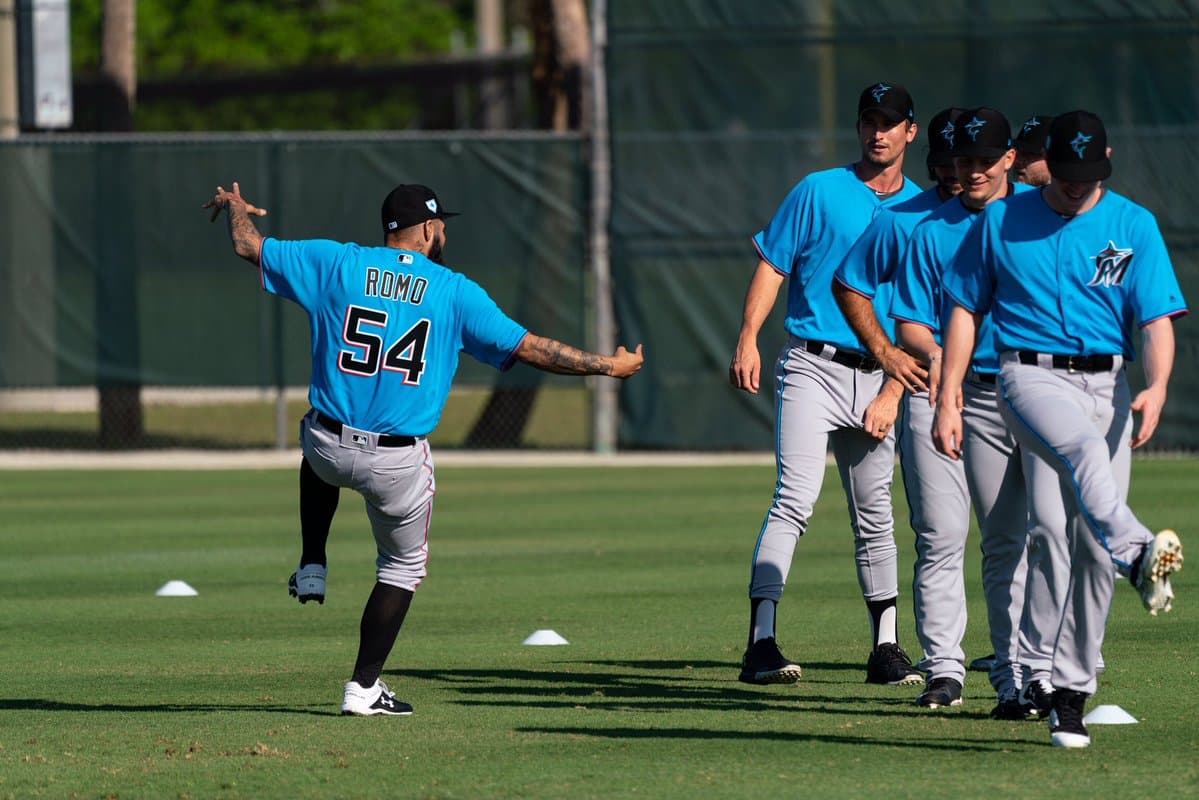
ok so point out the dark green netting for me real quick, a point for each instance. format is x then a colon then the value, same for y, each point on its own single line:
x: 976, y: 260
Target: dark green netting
x: 112, y: 273
x: 719, y: 108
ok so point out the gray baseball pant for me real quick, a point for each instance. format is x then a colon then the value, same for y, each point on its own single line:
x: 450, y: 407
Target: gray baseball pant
x: 997, y: 488
x: 821, y: 403
x: 397, y: 484
x: 940, y: 492
x: 1078, y: 423
x: 939, y: 505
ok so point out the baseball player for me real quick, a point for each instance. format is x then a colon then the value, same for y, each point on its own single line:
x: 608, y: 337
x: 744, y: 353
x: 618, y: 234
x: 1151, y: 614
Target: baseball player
x: 870, y: 264
x: 1030, y: 167
x: 387, y: 326
x: 1067, y: 272
x: 828, y: 390
x: 1036, y: 643
x: 941, y: 490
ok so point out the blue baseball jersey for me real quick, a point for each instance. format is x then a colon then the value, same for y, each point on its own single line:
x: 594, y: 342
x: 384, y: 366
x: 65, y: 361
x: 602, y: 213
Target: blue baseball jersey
x: 874, y: 257
x: 808, y: 238
x: 918, y: 295
x: 1066, y: 286
x: 387, y: 326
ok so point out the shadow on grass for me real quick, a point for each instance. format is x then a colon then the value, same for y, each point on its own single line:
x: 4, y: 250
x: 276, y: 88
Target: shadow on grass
x: 987, y: 746
x: 614, y: 691
x: 37, y: 704
x: 823, y: 666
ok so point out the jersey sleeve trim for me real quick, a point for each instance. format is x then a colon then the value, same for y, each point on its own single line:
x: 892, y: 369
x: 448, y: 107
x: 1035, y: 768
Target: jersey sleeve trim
x: 261, y: 265
x: 510, y: 361
x: 851, y: 287
x: 910, y: 321
x: 762, y: 256
x: 1182, y: 312
x: 959, y: 301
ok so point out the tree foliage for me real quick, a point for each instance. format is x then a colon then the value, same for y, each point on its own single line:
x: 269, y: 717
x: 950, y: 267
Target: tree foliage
x: 194, y: 40
x: 191, y: 37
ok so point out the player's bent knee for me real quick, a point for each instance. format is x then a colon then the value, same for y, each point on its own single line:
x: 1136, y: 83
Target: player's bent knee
x: 407, y: 580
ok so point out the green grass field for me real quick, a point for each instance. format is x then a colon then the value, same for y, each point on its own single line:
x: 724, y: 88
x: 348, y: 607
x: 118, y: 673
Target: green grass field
x: 109, y: 691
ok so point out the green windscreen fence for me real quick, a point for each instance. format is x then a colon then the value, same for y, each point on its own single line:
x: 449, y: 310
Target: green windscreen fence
x: 719, y: 107
x: 112, y: 273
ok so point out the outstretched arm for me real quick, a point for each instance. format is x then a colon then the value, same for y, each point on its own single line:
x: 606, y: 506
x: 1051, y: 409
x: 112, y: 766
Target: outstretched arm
x: 247, y: 241
x: 554, y: 356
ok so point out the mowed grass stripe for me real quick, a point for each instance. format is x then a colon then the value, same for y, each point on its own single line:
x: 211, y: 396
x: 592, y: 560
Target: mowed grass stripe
x: 110, y: 691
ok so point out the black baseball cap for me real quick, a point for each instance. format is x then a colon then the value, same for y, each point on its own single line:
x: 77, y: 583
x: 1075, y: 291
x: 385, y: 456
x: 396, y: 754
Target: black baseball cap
x: 890, y: 98
x: 981, y: 133
x: 411, y: 204
x: 1032, y: 135
x: 1076, y: 149
x: 941, y: 132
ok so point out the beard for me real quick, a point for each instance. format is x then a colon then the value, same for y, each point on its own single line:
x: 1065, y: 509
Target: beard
x: 435, y: 251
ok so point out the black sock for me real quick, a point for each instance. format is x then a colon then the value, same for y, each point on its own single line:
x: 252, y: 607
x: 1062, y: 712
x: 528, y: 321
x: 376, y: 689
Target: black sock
x: 381, y: 621
x: 882, y: 625
x: 754, y: 605
x: 318, y: 503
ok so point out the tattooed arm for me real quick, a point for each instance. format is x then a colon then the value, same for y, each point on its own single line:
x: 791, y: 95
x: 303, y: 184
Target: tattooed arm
x: 554, y: 356
x: 247, y: 241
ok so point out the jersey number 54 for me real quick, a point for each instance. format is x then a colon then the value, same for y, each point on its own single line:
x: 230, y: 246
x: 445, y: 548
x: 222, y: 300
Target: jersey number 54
x: 406, y: 354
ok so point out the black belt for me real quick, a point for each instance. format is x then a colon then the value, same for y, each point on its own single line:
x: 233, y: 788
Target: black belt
x: 385, y: 439
x: 982, y: 377
x: 1102, y: 363
x: 846, y: 358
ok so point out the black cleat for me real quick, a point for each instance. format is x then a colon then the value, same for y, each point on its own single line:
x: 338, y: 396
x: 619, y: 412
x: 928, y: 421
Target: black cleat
x: 890, y: 665
x: 764, y: 663
x: 1037, y: 694
x: 941, y: 693
x: 1010, y: 707
x: 1066, y: 728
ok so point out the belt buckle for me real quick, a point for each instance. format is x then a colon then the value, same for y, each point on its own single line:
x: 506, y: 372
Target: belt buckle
x: 1073, y: 364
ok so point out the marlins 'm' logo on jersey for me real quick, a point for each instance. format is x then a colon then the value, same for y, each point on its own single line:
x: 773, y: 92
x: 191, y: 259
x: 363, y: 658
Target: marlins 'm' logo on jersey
x: 1111, y: 265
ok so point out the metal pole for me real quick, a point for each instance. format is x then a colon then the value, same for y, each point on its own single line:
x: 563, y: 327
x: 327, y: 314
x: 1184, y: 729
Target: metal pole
x: 607, y: 392
x: 9, y: 126
x: 826, y: 54
x: 278, y: 352
x: 489, y: 27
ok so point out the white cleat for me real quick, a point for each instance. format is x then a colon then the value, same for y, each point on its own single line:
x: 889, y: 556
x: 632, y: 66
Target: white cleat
x: 308, y: 583
x: 377, y: 700
x: 1161, y: 558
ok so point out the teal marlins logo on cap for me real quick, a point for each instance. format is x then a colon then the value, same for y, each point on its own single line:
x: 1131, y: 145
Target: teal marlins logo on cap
x: 1079, y: 143
x: 947, y: 133
x: 974, y: 126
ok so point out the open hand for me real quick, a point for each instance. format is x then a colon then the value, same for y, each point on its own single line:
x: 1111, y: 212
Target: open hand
x: 223, y: 199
